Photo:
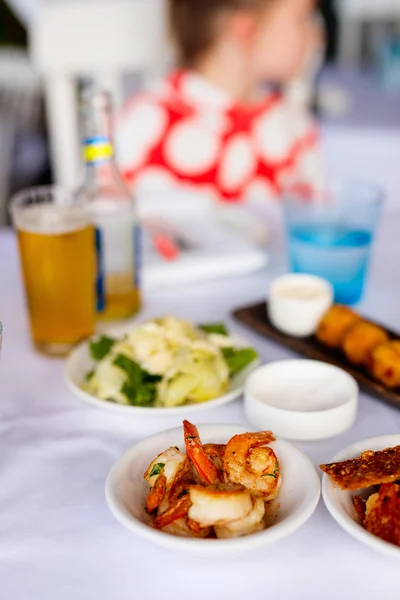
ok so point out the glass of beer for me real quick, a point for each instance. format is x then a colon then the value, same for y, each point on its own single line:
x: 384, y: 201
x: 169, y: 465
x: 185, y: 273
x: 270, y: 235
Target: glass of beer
x: 58, y: 254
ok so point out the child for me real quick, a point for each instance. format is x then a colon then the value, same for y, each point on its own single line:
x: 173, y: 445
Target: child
x: 212, y: 125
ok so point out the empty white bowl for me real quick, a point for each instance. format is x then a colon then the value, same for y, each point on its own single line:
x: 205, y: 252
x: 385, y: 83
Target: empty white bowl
x: 340, y: 503
x: 126, y: 492
x: 297, y: 303
x: 301, y: 399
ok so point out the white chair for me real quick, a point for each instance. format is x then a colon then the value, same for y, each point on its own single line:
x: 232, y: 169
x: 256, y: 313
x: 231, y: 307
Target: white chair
x: 98, y: 39
x: 353, y: 14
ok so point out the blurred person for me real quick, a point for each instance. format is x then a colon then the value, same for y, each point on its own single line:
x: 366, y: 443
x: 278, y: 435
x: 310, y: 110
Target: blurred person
x: 220, y: 124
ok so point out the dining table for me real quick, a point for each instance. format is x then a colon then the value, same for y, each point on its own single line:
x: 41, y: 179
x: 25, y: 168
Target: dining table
x: 58, y: 539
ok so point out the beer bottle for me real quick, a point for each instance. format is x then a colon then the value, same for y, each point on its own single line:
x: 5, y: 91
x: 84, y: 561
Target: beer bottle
x: 113, y: 212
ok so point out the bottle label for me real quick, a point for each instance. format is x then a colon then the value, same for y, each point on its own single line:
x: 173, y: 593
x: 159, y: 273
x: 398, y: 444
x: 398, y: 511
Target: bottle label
x: 100, y: 292
x: 97, y: 150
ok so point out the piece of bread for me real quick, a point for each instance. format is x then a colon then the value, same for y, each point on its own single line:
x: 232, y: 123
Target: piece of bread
x: 360, y: 506
x: 382, y: 517
x: 371, y: 468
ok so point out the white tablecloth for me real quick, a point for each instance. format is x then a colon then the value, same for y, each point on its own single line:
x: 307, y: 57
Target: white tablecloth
x: 57, y: 538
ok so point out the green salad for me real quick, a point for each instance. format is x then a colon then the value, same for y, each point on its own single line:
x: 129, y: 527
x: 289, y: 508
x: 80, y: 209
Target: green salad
x: 165, y: 362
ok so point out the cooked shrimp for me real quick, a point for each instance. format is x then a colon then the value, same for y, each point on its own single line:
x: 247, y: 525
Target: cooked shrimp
x: 168, y: 463
x: 172, y: 513
x: 156, y: 494
x: 252, y: 523
x: 172, y: 518
x: 249, y: 463
x: 215, y: 453
x: 161, y: 475
x: 213, y: 489
x: 197, y: 530
x: 173, y: 507
x: 204, y: 466
x: 218, y: 504
x: 181, y: 483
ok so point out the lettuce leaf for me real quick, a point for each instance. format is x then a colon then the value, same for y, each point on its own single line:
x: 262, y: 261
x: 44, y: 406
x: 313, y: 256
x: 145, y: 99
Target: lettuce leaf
x: 140, y: 389
x: 238, y: 359
x: 101, y: 347
x: 218, y: 328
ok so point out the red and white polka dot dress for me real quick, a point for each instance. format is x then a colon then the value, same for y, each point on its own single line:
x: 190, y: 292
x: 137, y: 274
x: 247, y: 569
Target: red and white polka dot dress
x: 189, y: 133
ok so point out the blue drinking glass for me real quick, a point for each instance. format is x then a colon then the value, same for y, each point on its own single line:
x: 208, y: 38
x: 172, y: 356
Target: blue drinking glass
x: 332, y: 236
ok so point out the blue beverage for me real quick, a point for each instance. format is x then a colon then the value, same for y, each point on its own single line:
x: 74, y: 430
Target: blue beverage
x: 337, y: 253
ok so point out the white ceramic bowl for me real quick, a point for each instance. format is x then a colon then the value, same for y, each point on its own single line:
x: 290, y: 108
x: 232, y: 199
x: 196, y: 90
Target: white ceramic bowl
x: 297, y: 303
x: 340, y: 503
x: 126, y: 492
x: 301, y: 399
x: 80, y: 362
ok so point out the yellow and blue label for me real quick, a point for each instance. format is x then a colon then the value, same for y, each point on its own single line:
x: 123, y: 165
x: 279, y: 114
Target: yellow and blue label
x: 97, y: 150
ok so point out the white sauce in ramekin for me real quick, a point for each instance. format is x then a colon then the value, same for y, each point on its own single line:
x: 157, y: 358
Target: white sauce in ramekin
x: 298, y: 302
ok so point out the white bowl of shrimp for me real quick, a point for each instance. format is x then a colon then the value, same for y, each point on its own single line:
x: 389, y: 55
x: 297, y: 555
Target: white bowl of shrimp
x: 212, y: 492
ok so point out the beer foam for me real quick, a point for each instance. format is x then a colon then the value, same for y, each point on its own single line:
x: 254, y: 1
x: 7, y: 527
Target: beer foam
x: 49, y: 219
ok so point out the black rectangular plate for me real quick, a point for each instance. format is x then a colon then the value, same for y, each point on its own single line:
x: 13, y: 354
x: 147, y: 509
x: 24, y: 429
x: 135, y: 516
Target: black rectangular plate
x: 256, y: 317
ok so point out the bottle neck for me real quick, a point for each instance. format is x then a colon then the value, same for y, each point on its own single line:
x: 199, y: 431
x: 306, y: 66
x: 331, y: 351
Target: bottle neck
x: 98, y: 147
x: 101, y: 172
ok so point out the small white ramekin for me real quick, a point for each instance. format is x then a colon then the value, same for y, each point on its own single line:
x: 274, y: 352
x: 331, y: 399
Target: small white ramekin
x: 301, y: 399
x: 297, y: 303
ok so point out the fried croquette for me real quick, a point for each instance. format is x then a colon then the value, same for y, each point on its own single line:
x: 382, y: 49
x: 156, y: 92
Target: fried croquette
x: 361, y: 340
x: 335, y: 324
x: 385, y: 364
